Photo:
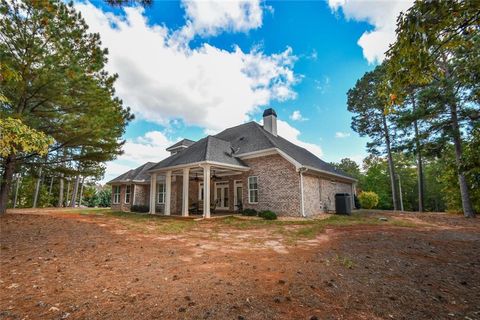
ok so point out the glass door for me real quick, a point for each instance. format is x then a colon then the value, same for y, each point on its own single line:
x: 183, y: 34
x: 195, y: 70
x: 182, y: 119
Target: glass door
x: 221, y: 195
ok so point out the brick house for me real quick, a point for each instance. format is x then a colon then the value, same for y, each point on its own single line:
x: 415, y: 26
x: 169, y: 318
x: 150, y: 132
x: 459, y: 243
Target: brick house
x: 248, y: 166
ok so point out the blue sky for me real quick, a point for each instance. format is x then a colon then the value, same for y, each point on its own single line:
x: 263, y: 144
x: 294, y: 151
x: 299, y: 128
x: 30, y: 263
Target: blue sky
x: 188, y: 69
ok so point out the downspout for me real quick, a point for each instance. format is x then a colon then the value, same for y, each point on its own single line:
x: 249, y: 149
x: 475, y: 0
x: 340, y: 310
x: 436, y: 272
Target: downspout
x: 133, y: 200
x: 302, y: 170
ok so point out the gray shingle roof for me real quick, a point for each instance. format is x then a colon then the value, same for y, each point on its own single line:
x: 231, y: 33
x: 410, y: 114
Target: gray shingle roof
x: 209, y: 148
x: 181, y: 143
x: 138, y: 174
x: 251, y: 137
x: 244, y: 138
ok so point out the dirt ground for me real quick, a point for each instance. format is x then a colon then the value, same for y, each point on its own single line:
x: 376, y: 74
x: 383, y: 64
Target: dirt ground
x: 79, y: 265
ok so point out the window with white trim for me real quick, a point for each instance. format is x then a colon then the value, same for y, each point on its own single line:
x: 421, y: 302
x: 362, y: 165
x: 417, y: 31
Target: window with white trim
x: 116, y: 194
x: 252, y: 189
x: 128, y: 193
x: 200, y: 191
x: 160, y: 193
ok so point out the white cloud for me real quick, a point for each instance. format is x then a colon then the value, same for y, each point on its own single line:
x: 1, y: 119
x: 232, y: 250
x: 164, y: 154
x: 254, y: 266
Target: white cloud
x: 161, y: 78
x: 114, y: 169
x: 322, y: 85
x: 213, y: 17
x: 382, y: 15
x: 150, y: 147
x: 313, y: 56
x: 297, y: 116
x: 292, y: 134
x: 341, y: 135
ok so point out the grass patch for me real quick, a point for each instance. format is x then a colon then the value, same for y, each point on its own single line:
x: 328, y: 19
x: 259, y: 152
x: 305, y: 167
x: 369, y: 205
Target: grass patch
x: 291, y: 231
x: 176, y: 226
x: 144, y: 222
x: 346, y: 262
x: 89, y: 211
x: 403, y: 223
x: 319, y: 226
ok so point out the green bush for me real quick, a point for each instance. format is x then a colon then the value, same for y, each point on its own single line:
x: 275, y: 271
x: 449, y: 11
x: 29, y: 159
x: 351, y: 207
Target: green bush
x: 140, y: 208
x: 249, y: 212
x: 368, y: 199
x: 105, y: 197
x: 268, y: 215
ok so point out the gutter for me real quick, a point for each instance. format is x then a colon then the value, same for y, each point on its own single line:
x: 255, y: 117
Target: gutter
x: 329, y: 173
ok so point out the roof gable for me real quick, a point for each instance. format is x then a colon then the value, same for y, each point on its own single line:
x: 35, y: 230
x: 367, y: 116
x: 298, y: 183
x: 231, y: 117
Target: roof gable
x: 138, y: 174
x: 209, y: 148
x: 184, y: 143
x: 251, y: 137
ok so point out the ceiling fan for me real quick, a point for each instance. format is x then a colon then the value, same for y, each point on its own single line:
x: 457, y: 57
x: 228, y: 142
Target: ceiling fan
x: 196, y: 178
x: 215, y: 177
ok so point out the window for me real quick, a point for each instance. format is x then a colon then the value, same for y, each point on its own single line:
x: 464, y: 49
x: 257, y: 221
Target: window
x: 200, y: 191
x: 116, y: 194
x: 161, y: 193
x: 128, y: 192
x: 252, y: 190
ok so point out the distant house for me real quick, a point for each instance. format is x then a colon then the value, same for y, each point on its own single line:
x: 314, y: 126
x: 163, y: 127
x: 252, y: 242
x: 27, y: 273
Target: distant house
x: 247, y: 166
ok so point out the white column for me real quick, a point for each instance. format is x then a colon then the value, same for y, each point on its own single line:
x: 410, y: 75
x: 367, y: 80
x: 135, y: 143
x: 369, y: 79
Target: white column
x: 206, y: 191
x: 153, y: 192
x: 185, y: 192
x: 168, y: 192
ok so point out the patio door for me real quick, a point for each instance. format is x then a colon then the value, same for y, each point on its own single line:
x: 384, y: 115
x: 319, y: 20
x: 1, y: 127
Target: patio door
x: 221, y: 194
x: 238, y: 194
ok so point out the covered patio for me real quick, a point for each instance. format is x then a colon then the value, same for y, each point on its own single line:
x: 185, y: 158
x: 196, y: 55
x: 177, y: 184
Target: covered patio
x: 197, y: 188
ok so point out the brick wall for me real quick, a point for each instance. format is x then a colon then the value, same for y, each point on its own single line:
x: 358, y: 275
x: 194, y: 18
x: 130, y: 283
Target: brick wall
x: 329, y: 189
x: 278, y: 185
x: 319, y: 193
x: 142, y: 194
x: 122, y: 206
x: 311, y: 195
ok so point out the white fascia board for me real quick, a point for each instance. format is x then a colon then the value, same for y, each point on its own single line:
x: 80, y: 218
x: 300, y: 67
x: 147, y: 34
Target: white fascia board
x: 269, y: 152
x: 119, y: 182
x: 199, y: 164
x: 256, y: 154
x: 330, y: 173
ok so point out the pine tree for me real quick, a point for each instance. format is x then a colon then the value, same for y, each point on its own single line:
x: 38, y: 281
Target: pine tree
x: 54, y: 80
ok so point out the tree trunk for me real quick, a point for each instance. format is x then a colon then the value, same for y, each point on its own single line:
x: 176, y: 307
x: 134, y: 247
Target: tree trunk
x: 8, y: 169
x: 81, y: 192
x: 457, y: 141
x: 73, y: 202
x: 67, y: 204
x: 16, y: 192
x: 421, y: 197
x: 37, y: 188
x: 391, y: 167
x: 60, y: 193
x: 51, y: 186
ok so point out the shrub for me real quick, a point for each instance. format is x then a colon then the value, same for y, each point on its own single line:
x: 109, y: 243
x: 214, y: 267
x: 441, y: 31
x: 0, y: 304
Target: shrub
x: 368, y: 199
x: 268, y: 215
x: 249, y: 212
x: 105, y: 198
x: 140, y: 208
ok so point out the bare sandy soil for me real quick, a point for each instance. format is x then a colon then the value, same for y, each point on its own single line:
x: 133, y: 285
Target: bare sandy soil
x: 57, y: 264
